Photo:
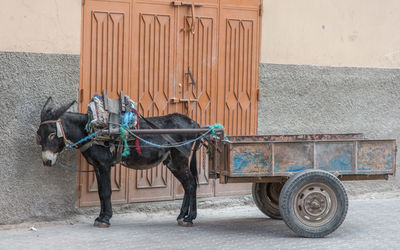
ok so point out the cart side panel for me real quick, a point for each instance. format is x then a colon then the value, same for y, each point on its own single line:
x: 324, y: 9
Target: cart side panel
x: 292, y: 157
x: 282, y: 159
x: 335, y: 157
x: 376, y: 157
x: 287, y: 138
x: 250, y: 160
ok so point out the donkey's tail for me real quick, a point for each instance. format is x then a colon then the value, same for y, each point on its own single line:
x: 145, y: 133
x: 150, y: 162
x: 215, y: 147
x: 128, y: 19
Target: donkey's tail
x: 193, y: 162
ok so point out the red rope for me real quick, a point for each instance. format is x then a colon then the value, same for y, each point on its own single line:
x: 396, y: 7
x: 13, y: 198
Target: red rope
x: 138, y: 149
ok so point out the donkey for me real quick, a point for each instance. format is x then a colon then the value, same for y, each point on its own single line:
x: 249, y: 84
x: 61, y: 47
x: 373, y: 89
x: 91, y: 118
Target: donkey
x: 72, y: 126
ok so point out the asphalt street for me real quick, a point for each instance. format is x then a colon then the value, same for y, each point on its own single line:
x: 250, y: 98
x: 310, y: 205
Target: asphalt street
x: 370, y: 224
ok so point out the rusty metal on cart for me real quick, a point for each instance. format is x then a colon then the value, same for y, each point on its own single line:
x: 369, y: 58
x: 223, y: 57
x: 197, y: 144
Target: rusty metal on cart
x: 275, y: 158
x: 310, y: 137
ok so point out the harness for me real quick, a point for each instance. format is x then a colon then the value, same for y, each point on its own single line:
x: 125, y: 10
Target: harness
x: 68, y: 143
x: 117, y: 114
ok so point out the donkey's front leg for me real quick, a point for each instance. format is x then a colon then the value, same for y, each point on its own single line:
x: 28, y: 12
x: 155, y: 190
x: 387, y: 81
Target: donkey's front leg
x: 103, y: 176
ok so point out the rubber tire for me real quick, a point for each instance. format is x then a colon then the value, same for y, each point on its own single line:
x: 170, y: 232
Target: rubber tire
x: 294, y: 185
x: 260, y: 197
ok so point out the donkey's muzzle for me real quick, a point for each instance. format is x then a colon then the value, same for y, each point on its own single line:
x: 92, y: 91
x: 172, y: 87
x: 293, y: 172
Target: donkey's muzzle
x: 47, y: 163
x: 49, y: 158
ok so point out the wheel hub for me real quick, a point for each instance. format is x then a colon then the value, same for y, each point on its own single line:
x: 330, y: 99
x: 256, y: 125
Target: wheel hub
x: 315, y: 204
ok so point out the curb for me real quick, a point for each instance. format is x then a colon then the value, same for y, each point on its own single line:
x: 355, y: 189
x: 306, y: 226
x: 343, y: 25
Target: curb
x: 173, y: 206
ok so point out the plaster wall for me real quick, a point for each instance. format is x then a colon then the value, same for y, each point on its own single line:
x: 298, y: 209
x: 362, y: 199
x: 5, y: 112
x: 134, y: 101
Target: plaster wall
x: 356, y: 33
x: 27, y: 189
x: 42, y: 26
x: 303, y: 99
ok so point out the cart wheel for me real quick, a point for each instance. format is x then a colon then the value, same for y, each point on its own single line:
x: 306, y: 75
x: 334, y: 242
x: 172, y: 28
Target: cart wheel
x: 313, y: 203
x: 266, y: 198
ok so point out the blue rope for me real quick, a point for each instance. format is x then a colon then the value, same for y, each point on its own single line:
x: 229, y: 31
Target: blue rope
x: 211, y: 130
x: 172, y: 145
x: 73, y: 169
x: 84, y: 139
x: 127, y: 119
x: 122, y: 130
x: 216, y: 126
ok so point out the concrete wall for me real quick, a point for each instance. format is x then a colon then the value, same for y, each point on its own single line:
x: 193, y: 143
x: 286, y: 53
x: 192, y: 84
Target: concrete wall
x: 302, y: 99
x: 28, y: 190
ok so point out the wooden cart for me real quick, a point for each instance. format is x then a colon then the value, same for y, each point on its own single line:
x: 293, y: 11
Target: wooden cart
x: 297, y: 178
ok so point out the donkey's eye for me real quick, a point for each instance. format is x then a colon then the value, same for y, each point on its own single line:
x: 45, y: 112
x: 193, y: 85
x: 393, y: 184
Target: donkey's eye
x: 52, y: 136
x: 38, y: 139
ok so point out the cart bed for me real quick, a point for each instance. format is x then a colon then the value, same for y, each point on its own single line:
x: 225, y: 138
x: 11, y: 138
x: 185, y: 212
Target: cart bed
x: 257, y: 158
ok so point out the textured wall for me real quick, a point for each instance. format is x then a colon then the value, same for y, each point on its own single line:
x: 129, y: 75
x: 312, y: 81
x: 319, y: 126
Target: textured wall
x: 294, y: 99
x: 298, y: 99
x: 27, y: 189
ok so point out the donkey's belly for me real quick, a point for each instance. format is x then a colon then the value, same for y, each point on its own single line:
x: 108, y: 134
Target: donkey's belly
x: 141, y: 166
x: 143, y: 163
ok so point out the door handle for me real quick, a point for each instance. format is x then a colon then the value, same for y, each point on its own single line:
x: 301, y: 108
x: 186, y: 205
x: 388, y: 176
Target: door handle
x: 191, y: 77
x: 188, y: 4
x: 184, y: 100
x: 189, y: 100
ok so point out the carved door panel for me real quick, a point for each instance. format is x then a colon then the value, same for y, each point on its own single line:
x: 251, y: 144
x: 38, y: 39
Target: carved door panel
x: 196, y: 58
x: 147, y: 48
x: 238, y: 73
x: 104, y: 65
x: 152, y: 86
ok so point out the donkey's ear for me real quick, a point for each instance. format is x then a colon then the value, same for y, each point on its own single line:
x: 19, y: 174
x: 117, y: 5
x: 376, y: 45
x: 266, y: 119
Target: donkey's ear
x: 46, y: 110
x: 60, y: 111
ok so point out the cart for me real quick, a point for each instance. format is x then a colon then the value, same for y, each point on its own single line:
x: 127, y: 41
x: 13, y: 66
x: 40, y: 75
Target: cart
x: 297, y: 178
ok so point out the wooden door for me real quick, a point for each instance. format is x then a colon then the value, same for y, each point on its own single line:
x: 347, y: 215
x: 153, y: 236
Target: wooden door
x: 196, y: 55
x: 238, y: 60
x: 147, y: 49
x: 104, y: 65
x: 152, y: 85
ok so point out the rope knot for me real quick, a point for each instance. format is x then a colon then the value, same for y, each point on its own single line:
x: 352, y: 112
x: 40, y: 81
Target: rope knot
x: 216, y: 126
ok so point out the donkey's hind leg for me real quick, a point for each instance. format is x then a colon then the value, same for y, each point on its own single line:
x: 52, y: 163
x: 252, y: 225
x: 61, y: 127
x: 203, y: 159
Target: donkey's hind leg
x: 185, y: 203
x: 178, y: 165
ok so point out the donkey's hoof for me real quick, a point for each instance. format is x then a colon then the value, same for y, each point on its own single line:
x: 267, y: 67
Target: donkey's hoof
x: 101, y: 224
x: 183, y: 223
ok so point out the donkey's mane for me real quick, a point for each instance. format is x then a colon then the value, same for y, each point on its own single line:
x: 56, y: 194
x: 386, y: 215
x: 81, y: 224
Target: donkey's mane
x: 76, y: 117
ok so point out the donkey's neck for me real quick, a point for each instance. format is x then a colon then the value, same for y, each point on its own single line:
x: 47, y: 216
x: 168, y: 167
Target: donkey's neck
x: 74, y: 125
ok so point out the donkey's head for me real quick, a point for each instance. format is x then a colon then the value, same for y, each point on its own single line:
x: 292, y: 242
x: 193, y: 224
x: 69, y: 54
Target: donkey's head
x: 48, y: 135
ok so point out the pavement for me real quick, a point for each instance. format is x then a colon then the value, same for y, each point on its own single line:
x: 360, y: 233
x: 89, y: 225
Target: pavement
x: 372, y: 222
